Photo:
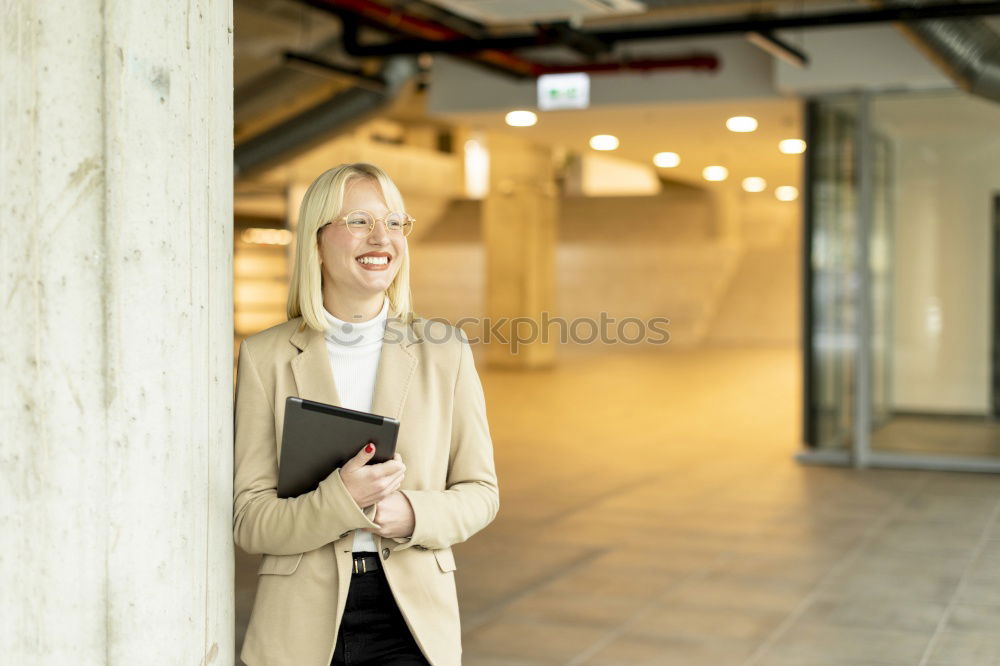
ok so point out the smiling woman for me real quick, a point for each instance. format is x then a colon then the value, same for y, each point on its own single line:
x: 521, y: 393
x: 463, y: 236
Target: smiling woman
x: 356, y: 211
x: 368, y: 552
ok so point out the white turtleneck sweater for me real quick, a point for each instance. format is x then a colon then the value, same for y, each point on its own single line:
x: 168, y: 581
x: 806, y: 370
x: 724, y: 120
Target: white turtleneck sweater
x: 354, y: 349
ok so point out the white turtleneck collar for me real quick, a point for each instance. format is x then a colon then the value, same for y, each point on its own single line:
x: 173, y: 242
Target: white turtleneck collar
x: 357, y: 333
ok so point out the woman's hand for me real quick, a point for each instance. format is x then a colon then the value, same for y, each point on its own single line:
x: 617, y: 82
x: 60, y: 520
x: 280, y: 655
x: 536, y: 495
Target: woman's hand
x: 395, y: 515
x: 369, y: 484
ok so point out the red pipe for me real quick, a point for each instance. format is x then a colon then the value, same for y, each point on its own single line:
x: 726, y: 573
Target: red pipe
x: 709, y: 62
x: 424, y: 29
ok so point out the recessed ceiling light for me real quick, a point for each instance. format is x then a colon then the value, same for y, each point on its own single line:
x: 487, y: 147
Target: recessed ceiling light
x: 786, y: 193
x: 521, y: 118
x: 741, y: 124
x: 715, y: 173
x: 666, y: 160
x: 603, y: 142
x: 792, y: 146
x: 754, y: 184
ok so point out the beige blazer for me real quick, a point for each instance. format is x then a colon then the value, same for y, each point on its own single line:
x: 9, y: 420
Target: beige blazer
x: 427, y: 379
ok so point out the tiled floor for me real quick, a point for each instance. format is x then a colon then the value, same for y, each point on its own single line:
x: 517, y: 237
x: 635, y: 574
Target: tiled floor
x: 652, y: 513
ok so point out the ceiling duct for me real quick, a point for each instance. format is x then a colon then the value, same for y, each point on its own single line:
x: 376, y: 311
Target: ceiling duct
x: 337, y: 114
x: 967, y: 50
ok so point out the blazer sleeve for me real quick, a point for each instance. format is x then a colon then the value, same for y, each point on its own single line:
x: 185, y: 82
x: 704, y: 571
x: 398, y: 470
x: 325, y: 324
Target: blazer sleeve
x: 471, y: 498
x: 263, y: 522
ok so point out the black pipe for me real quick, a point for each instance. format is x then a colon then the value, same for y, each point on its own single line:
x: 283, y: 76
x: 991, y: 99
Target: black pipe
x: 758, y: 23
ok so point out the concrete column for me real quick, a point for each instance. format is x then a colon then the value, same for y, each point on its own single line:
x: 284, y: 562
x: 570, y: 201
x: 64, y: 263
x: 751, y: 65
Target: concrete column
x: 520, y: 215
x: 116, y: 361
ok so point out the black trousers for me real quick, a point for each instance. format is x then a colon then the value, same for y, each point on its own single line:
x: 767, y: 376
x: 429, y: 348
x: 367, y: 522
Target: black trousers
x: 373, y: 631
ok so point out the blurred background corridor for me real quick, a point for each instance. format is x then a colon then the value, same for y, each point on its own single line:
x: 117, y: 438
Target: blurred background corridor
x: 813, y: 210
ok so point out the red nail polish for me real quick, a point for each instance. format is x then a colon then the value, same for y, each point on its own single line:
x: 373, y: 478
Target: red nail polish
x: 369, y: 448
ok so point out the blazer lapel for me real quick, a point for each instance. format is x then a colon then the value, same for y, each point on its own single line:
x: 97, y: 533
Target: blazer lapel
x: 397, y: 364
x: 311, y: 367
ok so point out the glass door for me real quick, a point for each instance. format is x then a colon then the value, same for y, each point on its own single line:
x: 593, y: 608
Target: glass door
x: 900, y: 255
x: 932, y: 279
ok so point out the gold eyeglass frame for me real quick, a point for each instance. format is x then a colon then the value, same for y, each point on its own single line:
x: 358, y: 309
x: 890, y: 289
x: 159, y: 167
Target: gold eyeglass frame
x: 408, y: 221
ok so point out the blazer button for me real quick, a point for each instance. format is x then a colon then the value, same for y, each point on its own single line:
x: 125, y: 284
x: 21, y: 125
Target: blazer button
x: 345, y: 534
x: 385, y: 553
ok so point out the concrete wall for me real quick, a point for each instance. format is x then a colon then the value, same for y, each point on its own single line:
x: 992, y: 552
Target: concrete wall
x: 947, y: 167
x: 854, y: 58
x: 841, y: 58
x: 667, y: 263
x: 746, y: 72
x: 116, y: 373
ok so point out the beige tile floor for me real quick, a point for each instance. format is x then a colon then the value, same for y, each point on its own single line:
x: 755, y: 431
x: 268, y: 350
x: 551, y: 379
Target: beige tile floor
x: 652, y: 513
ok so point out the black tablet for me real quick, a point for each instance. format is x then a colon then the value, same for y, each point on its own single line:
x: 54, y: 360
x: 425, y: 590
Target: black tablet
x: 318, y: 438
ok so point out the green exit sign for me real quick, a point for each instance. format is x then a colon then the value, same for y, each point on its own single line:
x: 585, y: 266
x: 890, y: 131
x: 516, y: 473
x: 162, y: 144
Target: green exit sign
x: 563, y: 91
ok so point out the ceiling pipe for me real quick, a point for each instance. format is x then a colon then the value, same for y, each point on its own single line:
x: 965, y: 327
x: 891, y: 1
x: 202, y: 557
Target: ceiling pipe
x: 390, y: 20
x: 341, y: 111
x: 705, y: 62
x: 430, y: 34
x: 967, y: 50
x: 455, y: 43
x: 565, y: 34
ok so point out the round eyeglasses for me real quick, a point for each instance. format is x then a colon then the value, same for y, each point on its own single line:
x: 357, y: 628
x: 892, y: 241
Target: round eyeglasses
x: 361, y: 223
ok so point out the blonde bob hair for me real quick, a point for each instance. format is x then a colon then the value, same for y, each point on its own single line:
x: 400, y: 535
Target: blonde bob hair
x: 322, y: 203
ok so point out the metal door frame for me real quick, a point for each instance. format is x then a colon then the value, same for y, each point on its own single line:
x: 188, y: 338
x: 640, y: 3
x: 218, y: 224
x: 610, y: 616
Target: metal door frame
x: 860, y: 455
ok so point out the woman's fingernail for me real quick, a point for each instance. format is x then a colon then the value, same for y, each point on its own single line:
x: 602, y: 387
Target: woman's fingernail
x: 369, y: 448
